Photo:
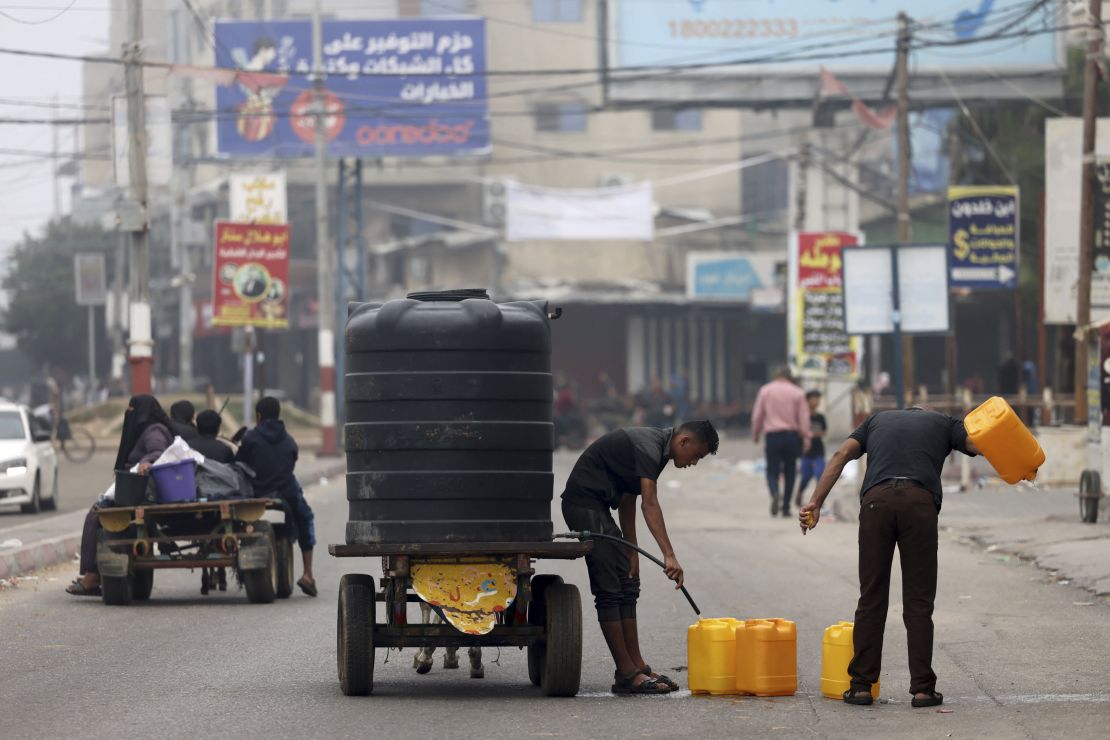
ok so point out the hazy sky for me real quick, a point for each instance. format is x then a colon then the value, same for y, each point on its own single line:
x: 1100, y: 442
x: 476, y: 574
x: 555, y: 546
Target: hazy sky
x: 26, y: 181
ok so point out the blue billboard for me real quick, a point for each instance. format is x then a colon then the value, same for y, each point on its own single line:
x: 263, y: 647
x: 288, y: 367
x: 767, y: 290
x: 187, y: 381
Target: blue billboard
x: 964, y: 36
x: 399, y: 88
x: 984, y: 238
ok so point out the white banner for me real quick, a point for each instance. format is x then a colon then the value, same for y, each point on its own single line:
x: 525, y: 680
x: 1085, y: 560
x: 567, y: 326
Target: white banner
x: 1063, y: 158
x: 258, y: 198
x: 922, y: 289
x: 625, y: 213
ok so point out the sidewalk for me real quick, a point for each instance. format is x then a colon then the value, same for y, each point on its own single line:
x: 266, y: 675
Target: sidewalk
x: 52, y: 540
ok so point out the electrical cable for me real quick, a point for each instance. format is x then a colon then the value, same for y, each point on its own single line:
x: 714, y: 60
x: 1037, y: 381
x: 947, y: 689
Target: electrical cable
x: 54, y: 17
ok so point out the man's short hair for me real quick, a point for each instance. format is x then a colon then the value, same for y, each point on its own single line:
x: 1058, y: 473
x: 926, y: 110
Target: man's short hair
x: 209, y: 423
x: 269, y: 408
x: 813, y: 394
x: 183, y: 411
x: 702, y: 431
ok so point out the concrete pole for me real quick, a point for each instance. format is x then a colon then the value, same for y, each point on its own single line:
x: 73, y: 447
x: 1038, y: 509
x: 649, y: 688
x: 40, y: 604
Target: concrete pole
x: 903, y: 82
x: 1087, y: 206
x: 140, y: 346
x: 325, y: 283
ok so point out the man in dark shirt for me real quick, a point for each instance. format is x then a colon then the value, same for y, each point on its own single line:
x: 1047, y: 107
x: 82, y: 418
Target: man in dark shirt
x: 181, y: 420
x: 206, y: 443
x: 813, y: 461
x: 900, y: 500
x: 272, y: 454
x: 610, y: 474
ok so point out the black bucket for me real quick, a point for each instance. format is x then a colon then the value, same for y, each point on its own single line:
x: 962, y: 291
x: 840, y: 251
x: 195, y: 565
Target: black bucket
x: 130, y: 488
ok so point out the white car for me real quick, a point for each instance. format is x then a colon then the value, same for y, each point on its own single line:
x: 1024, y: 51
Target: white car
x: 28, y: 465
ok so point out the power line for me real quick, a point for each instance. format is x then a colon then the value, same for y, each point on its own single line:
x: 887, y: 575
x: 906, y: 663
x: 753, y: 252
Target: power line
x: 54, y: 17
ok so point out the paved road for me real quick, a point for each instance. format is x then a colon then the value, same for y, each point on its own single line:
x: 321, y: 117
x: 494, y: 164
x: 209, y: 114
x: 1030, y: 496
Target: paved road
x: 1015, y: 654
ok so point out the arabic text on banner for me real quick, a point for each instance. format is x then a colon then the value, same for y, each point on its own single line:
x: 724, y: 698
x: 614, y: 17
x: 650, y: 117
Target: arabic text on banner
x: 251, y: 275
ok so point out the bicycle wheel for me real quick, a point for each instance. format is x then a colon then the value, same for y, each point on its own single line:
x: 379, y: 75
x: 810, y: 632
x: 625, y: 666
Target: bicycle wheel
x: 80, y: 446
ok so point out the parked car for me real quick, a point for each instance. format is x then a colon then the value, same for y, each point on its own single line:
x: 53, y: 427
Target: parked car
x: 28, y: 465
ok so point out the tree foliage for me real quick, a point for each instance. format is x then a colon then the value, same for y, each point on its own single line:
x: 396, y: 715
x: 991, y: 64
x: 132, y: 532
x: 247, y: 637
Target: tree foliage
x: 42, y: 312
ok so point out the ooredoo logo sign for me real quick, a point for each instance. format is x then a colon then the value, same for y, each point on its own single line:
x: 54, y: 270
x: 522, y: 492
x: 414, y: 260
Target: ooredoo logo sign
x: 303, y: 113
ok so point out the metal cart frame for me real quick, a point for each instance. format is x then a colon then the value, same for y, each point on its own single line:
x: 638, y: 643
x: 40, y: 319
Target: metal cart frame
x: 545, y: 617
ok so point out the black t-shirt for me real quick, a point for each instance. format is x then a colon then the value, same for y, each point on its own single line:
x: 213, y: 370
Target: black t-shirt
x: 614, y: 464
x: 909, y: 444
x: 817, y: 444
x: 213, y: 449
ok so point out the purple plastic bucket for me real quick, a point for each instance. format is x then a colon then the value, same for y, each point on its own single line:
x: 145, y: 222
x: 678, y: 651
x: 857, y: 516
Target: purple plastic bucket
x: 175, y: 482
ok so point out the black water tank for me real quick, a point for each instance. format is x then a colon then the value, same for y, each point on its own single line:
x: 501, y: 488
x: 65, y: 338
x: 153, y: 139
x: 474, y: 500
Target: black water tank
x: 448, y: 430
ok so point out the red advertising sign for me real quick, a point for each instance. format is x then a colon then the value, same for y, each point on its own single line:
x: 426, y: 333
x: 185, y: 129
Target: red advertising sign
x: 819, y: 264
x: 251, y: 275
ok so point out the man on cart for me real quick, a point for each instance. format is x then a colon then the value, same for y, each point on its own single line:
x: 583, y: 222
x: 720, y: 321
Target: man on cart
x: 611, y: 473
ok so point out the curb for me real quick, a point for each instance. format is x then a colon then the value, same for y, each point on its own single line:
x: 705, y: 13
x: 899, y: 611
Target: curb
x: 39, y: 555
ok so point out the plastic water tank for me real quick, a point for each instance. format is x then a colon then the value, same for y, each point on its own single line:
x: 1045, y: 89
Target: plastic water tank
x: 448, y: 432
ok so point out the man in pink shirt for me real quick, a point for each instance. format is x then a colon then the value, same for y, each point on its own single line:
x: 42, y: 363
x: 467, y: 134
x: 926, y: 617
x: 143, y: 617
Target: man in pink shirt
x: 781, y: 414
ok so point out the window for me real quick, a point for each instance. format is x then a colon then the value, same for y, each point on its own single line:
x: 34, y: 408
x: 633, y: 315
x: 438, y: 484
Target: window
x: 11, y: 425
x: 444, y: 7
x: 557, y: 11
x: 676, y: 119
x: 765, y: 188
x: 561, y: 117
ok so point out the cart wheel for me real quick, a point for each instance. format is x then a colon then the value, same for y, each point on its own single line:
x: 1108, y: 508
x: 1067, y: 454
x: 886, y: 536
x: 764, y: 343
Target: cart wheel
x: 355, y: 634
x: 116, y: 590
x: 537, y: 616
x: 142, y: 583
x: 261, y: 583
x: 562, y: 665
x: 1090, y: 490
x: 283, y: 563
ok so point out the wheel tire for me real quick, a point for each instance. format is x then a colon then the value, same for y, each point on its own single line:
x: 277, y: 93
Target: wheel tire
x: 537, y: 616
x: 261, y: 583
x: 142, y: 583
x: 355, y: 635
x: 283, y: 564
x: 1090, y: 490
x: 116, y: 591
x: 80, y: 445
x: 51, y: 504
x: 562, y: 665
x: 35, y: 506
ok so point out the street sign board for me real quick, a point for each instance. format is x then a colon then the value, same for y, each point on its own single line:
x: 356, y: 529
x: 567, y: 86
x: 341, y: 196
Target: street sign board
x: 731, y: 276
x: 817, y: 338
x: 91, y: 278
x: 408, y: 87
x: 869, y: 300
x: 258, y: 198
x: 983, y: 236
x: 250, y: 279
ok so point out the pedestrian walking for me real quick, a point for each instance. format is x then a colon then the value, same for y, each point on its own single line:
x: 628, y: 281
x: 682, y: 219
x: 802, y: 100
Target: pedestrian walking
x: 813, y: 461
x: 900, y: 500
x: 782, y: 416
x: 610, y: 474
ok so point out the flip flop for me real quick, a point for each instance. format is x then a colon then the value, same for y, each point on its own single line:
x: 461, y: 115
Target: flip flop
x: 308, y: 588
x: 934, y: 699
x: 859, y: 697
x: 665, y: 680
x: 76, y: 589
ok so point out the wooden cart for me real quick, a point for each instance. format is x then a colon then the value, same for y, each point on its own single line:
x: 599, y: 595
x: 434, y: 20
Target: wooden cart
x: 545, y: 617
x: 134, y: 541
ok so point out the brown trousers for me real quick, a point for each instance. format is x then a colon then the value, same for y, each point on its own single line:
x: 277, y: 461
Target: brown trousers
x: 904, y: 514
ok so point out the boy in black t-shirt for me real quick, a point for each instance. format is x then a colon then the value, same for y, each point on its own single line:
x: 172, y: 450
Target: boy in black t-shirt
x: 813, y: 462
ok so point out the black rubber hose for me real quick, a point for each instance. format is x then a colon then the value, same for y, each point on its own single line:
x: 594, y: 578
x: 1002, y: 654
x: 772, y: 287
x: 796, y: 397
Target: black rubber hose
x: 587, y: 534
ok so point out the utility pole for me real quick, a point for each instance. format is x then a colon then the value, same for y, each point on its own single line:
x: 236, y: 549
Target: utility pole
x: 140, y: 347
x: 54, y: 160
x: 902, y: 80
x: 801, y: 189
x: 1087, y: 206
x: 325, y: 282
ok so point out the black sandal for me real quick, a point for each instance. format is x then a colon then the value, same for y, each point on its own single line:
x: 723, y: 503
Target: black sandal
x: 624, y: 685
x: 308, y: 588
x: 76, y: 589
x: 665, y: 680
x: 859, y: 697
x: 935, y: 699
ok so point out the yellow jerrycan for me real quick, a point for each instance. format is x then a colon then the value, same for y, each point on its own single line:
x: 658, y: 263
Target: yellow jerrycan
x: 767, y: 657
x: 1007, y: 444
x: 836, y: 653
x: 711, y: 656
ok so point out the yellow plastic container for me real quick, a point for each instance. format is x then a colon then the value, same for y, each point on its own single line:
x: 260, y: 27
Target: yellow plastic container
x: 1006, y: 443
x: 711, y: 656
x: 767, y: 657
x: 836, y: 653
